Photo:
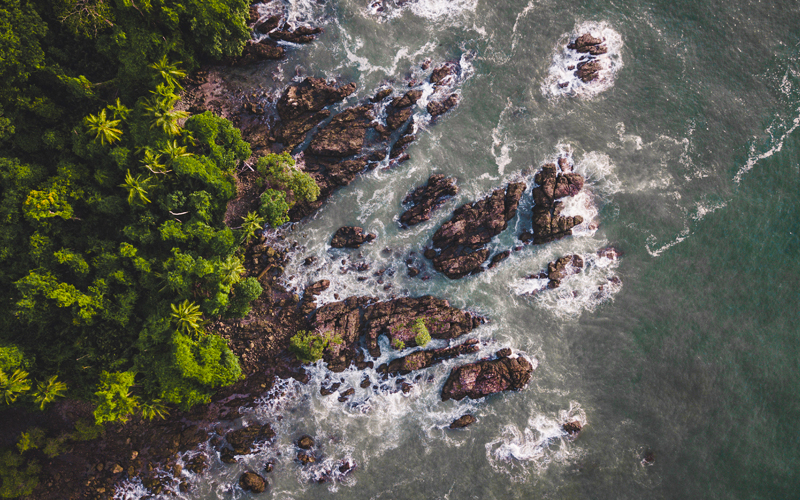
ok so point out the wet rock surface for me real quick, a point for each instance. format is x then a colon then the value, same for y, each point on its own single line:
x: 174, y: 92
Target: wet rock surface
x: 485, y: 377
x: 250, y: 481
x: 425, y: 199
x: 573, y: 428
x: 344, y: 135
x: 589, y: 68
x: 243, y: 441
x: 364, y: 317
x: 350, y: 237
x: 561, y: 268
x: 463, y: 421
x: 552, y: 185
x: 437, y: 108
x: 427, y: 358
x: 459, y: 245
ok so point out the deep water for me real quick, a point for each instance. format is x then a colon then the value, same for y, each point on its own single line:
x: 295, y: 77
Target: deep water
x: 692, y: 160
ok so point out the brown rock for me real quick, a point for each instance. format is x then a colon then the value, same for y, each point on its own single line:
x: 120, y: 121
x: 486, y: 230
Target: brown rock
x: 572, y: 428
x: 425, y: 199
x: 463, y: 421
x: 350, y: 237
x: 436, y: 108
x: 485, y: 377
x: 427, y: 358
x: 305, y: 442
x: 243, y: 440
x: 250, y: 481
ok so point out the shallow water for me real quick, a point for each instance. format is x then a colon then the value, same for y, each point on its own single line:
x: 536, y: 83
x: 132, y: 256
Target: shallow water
x: 691, y: 158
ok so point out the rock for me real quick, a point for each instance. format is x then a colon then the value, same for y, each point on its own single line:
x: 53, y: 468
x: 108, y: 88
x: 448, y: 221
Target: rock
x: 436, y: 108
x: 305, y: 442
x: 382, y: 94
x: 365, y: 382
x: 485, y: 377
x: 399, y: 111
x: 349, y: 392
x: 427, y: 358
x: 463, y: 421
x: 301, y: 108
x: 548, y: 224
x: 572, y: 428
x: 301, y: 34
x: 257, y: 51
x: 408, y: 99
x: 306, y: 458
x: 243, y: 440
x: 344, y: 135
x: 425, y: 199
x: 268, y: 25
x: 250, y: 481
x: 609, y: 253
x: 563, y: 267
x: 253, y: 15
x: 588, y: 70
x: 499, y: 257
x: 441, y: 73
x: 584, y: 43
x: 350, y: 237
x: 197, y: 464
x: 406, y: 387
x: 503, y: 353
x: 269, y: 467
x: 309, y: 261
x: 317, y: 288
x: 461, y: 240
x: 649, y: 457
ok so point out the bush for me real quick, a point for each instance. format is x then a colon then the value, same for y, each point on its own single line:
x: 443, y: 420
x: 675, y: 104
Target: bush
x: 274, y: 207
x: 398, y: 344
x: 244, y: 292
x: 309, y: 346
x: 421, y: 334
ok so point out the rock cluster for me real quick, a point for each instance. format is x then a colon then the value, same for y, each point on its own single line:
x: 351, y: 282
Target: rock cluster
x: 425, y: 199
x: 242, y: 441
x: 553, y: 183
x: 350, y: 237
x: 460, y: 244
x: 427, y: 358
x: 589, y: 68
x: 485, y: 377
x: 364, y: 317
x: 560, y: 269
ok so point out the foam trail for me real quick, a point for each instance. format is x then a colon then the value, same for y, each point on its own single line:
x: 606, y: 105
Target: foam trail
x: 755, y: 158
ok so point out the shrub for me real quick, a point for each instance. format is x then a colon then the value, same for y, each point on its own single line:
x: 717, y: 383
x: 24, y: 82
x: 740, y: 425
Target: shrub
x: 309, y: 346
x: 421, y: 334
x: 274, y: 207
x: 398, y: 344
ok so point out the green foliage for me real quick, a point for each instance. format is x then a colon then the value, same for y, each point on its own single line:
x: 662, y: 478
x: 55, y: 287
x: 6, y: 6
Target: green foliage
x: 274, y: 207
x: 18, y: 477
x: 187, y: 316
x: 12, y: 386
x: 398, y: 344
x: 31, y: 439
x: 47, y: 392
x: 280, y: 172
x: 245, y: 292
x: 250, y: 225
x: 54, y: 447
x: 421, y: 334
x: 309, y: 346
x: 103, y: 129
x: 153, y: 409
x: 114, y: 397
x: 86, y: 430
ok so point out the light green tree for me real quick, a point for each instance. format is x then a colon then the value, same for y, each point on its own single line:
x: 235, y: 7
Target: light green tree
x: 46, y: 392
x: 137, y: 189
x: 188, y: 317
x: 103, y: 129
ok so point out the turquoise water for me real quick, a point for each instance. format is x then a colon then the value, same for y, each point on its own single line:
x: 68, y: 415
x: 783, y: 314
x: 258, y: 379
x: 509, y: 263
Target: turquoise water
x: 692, y: 161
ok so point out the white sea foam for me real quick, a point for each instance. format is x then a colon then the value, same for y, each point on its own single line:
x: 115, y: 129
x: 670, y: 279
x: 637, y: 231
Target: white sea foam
x: 384, y: 10
x: 530, y: 450
x: 564, y: 58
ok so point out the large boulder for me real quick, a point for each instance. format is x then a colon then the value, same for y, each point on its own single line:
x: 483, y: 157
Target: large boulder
x: 463, y: 421
x: 350, y: 237
x: 460, y: 242
x: 485, y: 377
x: 436, y: 108
x: 563, y: 267
x: 301, y: 34
x: 250, y: 481
x: 301, y: 108
x: 552, y: 185
x: 425, y: 199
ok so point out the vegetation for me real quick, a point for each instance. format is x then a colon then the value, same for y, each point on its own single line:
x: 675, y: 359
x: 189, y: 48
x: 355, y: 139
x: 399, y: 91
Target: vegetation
x: 309, y: 346
x: 398, y: 344
x: 287, y: 186
x: 421, y: 334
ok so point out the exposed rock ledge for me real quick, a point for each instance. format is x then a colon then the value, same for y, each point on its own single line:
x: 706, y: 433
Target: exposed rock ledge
x: 485, y: 377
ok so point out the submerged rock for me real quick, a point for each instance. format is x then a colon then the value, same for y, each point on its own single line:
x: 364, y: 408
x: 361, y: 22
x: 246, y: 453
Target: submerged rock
x: 572, y: 428
x: 463, y: 421
x: 425, y: 199
x: 305, y: 442
x: 427, y: 358
x: 485, y: 377
x: 250, y: 481
x: 461, y: 240
x: 243, y: 440
x: 350, y: 237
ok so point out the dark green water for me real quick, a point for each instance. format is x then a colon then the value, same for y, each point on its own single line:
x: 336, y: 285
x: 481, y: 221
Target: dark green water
x: 693, y: 168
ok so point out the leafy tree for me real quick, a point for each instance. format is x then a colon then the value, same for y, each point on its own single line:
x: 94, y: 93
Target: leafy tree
x: 421, y: 334
x: 47, y: 392
x: 12, y: 386
x: 33, y: 438
x: 245, y: 292
x: 18, y: 477
x: 309, y: 346
x: 188, y: 316
x: 114, y: 397
x: 274, y: 207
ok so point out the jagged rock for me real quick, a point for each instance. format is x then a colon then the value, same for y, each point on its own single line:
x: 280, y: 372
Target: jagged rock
x: 243, y: 440
x: 503, y: 353
x: 441, y: 73
x: 344, y: 135
x: 250, y: 481
x: 197, y: 464
x: 548, y: 224
x: 252, y: 14
x: 499, y: 257
x: 425, y: 199
x: 588, y: 70
x: 461, y: 240
x: 399, y: 111
x: 436, y: 108
x: 305, y: 442
x: 306, y: 458
x: 269, y: 24
x: 587, y: 43
x: 463, y: 421
x: 427, y: 358
x: 563, y: 267
x: 485, y: 377
x: 257, y: 51
x: 572, y: 428
x: 269, y: 467
x: 301, y: 34
x: 350, y: 237
x: 382, y: 94
x: 300, y: 108
x: 408, y: 99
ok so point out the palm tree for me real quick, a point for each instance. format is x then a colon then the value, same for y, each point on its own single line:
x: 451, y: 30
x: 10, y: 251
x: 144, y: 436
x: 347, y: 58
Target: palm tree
x: 188, y: 316
x: 11, y: 387
x: 155, y: 408
x: 231, y: 270
x: 169, y: 72
x: 172, y: 151
x: 119, y: 110
x: 47, y: 392
x: 103, y: 128
x: 152, y: 162
x: 252, y: 223
x: 168, y: 120
x: 137, y: 189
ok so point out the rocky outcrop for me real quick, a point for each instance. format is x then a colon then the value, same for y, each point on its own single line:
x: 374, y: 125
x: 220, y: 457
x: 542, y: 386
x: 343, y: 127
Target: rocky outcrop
x: 425, y: 199
x: 301, y: 34
x: 459, y: 245
x: 572, y: 428
x: 305, y: 442
x: 242, y: 441
x: 301, y: 108
x: 559, y: 269
x: 442, y: 72
x: 436, y: 108
x: 399, y: 111
x: 365, y: 317
x: 548, y: 223
x: 427, y: 358
x: 344, y: 135
x: 350, y: 237
x: 463, y: 421
x: 589, y: 68
x: 485, y: 377
x: 252, y: 52
x: 250, y: 481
